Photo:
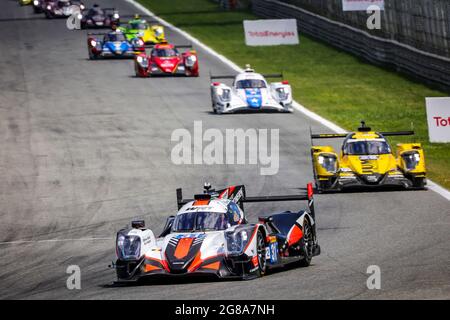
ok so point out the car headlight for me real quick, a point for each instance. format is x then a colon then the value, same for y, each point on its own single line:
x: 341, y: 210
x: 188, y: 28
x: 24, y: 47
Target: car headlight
x: 224, y: 94
x: 140, y: 59
x: 36, y: 2
x: 190, y: 61
x: 328, y: 162
x: 80, y: 16
x: 82, y: 7
x: 128, y: 247
x: 49, y: 7
x: 411, y: 160
x: 116, y: 16
x: 236, y: 241
x: 158, y: 32
x: 93, y: 43
x: 282, y: 94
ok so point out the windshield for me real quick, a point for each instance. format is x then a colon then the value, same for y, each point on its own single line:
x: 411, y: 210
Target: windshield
x: 200, y: 221
x: 250, y: 83
x: 361, y: 148
x: 162, y: 53
x: 115, y: 37
x: 138, y: 26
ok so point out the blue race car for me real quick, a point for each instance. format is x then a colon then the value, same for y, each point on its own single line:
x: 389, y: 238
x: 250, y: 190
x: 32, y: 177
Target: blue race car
x: 113, y: 45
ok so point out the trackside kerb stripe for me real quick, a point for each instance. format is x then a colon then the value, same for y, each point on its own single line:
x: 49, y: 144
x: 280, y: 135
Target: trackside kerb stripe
x: 312, y: 115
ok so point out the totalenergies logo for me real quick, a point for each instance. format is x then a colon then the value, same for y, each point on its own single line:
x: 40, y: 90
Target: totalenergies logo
x: 442, y: 122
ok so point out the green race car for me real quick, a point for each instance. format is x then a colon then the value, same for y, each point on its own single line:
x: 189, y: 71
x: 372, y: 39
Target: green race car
x: 140, y: 28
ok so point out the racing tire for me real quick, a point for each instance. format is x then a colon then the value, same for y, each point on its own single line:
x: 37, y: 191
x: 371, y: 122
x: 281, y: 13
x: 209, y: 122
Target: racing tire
x: 261, y: 254
x: 419, y: 183
x: 307, y: 246
x: 92, y: 56
x: 324, y: 185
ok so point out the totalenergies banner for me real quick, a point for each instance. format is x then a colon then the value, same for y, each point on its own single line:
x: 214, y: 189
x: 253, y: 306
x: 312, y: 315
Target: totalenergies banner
x: 270, y: 32
x: 438, y: 115
x: 361, y: 5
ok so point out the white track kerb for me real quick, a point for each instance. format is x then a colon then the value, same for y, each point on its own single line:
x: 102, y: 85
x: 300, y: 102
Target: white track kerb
x: 314, y: 116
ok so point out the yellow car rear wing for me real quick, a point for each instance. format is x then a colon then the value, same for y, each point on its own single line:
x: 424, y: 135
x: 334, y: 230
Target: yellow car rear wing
x: 362, y: 128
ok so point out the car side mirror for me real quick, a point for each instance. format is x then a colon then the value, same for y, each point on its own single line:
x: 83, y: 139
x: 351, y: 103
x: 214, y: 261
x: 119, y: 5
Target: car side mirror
x: 167, y: 226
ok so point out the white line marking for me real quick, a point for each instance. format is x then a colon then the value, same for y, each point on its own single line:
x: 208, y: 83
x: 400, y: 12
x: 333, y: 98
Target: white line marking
x: 438, y: 189
x: 312, y: 115
x: 53, y: 240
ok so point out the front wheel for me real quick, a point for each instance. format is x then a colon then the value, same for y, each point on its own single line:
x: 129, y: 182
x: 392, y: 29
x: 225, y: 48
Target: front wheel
x: 261, y: 254
x: 92, y: 56
x: 307, y: 247
x: 323, y: 185
x: 419, y: 183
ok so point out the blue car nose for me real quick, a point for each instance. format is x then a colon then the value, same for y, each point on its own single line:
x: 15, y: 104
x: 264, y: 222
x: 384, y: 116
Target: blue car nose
x: 254, y: 98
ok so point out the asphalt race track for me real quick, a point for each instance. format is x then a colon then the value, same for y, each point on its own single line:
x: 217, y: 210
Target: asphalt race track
x: 85, y: 147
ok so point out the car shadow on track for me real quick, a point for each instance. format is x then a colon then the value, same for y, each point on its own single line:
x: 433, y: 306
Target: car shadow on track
x: 171, y: 280
x: 236, y: 113
x: 168, y: 281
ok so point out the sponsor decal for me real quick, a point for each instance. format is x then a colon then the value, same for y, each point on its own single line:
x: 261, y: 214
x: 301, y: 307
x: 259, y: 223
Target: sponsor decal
x: 190, y: 235
x: 269, y: 32
x: 255, y: 261
x: 254, y: 98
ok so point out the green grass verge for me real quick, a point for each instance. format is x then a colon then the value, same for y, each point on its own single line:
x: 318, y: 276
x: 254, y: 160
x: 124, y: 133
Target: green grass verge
x: 334, y: 84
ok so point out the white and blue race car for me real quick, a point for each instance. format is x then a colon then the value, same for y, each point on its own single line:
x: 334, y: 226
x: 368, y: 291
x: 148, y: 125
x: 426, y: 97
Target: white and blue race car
x: 250, y: 92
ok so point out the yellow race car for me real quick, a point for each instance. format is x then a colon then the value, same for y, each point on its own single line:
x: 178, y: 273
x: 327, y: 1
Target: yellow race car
x: 366, y: 160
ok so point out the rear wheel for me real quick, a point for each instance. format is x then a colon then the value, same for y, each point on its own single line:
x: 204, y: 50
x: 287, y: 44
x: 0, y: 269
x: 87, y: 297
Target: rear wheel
x: 307, y: 246
x: 261, y: 254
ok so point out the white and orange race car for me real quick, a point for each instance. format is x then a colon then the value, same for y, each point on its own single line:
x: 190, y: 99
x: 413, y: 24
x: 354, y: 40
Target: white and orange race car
x: 210, y: 235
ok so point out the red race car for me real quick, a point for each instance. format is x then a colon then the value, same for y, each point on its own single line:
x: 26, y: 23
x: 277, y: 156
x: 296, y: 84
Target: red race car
x: 165, y: 59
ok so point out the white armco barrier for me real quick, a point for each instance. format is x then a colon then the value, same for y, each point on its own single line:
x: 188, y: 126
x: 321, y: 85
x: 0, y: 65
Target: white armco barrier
x: 361, y: 5
x: 270, y: 32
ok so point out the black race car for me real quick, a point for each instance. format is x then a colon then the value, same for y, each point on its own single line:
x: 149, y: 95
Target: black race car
x: 62, y: 8
x: 97, y: 17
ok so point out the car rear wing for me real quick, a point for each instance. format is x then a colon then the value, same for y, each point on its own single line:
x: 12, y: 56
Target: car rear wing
x: 105, y: 33
x: 362, y: 128
x: 147, y: 19
x: 182, y: 46
x: 344, y: 135
x: 239, y: 196
x: 229, y: 76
